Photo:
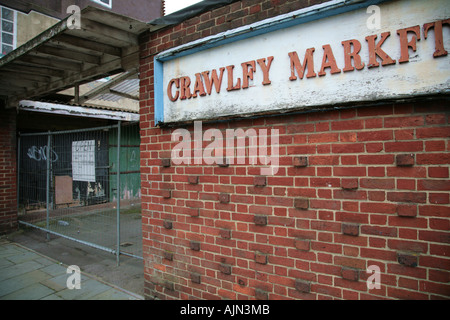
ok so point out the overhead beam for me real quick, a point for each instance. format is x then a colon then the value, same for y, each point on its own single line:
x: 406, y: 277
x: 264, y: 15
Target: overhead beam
x: 107, y: 86
x: 105, y: 31
x: 52, y: 63
x: 14, y: 67
x: 91, y: 45
x: 124, y: 95
x: 25, y: 76
x: 68, y: 54
x: 94, y: 73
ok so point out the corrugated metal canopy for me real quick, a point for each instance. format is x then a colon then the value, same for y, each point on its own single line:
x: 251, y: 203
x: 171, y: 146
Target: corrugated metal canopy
x: 63, y: 57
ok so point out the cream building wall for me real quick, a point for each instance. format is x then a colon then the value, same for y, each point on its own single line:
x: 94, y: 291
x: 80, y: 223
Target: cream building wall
x: 32, y: 24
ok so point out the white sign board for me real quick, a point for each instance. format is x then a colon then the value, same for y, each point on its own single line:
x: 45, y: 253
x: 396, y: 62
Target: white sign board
x: 83, y: 160
x: 292, y: 63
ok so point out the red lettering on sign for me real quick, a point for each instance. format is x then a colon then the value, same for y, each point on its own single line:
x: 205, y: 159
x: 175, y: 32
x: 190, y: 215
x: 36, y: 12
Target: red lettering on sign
x: 214, y: 80
x: 328, y: 61
x: 297, y: 66
x: 248, y: 68
x: 169, y: 89
x: 198, y: 87
x: 265, y: 69
x: 350, y: 55
x: 231, y: 85
x: 375, y: 50
x: 438, y: 36
x: 405, y: 44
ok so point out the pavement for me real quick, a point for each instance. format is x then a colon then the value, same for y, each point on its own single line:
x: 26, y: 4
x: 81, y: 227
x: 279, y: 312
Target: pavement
x: 26, y: 274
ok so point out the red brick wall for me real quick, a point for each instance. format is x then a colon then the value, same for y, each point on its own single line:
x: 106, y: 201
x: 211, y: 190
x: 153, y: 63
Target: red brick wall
x: 8, y: 171
x: 373, y: 190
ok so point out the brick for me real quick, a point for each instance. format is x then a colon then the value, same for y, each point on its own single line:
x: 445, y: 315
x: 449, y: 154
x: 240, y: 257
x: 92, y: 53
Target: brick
x: 193, y: 179
x: 260, y: 220
x: 405, y: 160
x: 166, y: 194
x: 260, y: 181
x: 225, y: 233
x: 261, y: 294
x: 349, y: 184
x: 404, y: 210
x: 301, y: 203
x: 168, y: 224
x: 196, y: 278
x: 224, y: 198
x: 350, y: 274
x: 415, y: 197
x: 166, y: 162
x: 168, y: 285
x: 407, y: 259
x: 261, y: 258
x: 302, y: 244
x: 300, y: 162
x: 302, y: 286
x: 225, y: 268
x: 168, y: 255
x: 350, y: 229
x: 195, y: 245
x: 433, y: 185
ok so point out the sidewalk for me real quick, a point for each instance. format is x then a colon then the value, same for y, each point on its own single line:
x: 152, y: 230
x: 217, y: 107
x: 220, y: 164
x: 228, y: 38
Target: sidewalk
x: 28, y: 275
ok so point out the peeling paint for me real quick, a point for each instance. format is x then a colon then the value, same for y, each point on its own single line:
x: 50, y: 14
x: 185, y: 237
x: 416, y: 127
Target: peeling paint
x: 423, y: 74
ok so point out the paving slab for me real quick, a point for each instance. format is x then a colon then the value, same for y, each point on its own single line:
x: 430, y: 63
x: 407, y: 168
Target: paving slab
x: 28, y: 275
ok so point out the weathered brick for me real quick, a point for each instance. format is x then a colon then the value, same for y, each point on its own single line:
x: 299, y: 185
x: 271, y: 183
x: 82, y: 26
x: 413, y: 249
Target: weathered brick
x: 225, y: 233
x: 407, y: 259
x: 193, y: 179
x: 404, y: 210
x: 301, y: 203
x: 405, y: 160
x: 168, y: 255
x: 303, y: 244
x: 350, y: 274
x: 303, y: 286
x: 196, y: 278
x: 166, y: 162
x: 261, y: 294
x: 260, y: 181
x: 224, y: 198
x: 166, y: 194
x: 261, y: 258
x: 195, y: 245
x: 349, y: 184
x: 300, y: 162
x: 350, y: 229
x: 168, y: 224
x: 260, y: 220
x: 225, y: 268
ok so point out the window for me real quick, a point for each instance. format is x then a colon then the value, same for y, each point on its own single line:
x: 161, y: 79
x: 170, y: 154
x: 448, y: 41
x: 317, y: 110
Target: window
x: 106, y: 3
x: 8, y: 30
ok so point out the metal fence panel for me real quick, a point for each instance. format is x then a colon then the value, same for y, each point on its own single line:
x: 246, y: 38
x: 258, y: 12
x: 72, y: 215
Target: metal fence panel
x: 68, y: 186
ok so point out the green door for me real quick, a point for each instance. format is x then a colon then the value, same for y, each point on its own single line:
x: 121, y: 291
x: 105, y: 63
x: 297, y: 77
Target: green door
x: 130, y: 177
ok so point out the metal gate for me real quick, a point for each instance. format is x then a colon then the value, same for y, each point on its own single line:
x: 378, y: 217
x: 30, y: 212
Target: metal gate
x: 83, y: 185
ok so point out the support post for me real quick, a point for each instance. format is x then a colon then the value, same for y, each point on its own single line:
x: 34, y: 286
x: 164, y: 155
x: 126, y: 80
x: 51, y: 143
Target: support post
x: 118, y: 191
x: 49, y: 137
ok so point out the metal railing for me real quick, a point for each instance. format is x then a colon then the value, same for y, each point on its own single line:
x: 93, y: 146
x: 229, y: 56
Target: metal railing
x: 83, y: 185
